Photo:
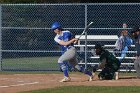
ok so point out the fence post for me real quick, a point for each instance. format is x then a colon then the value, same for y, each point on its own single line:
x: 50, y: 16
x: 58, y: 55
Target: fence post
x: 0, y: 39
x: 86, y: 37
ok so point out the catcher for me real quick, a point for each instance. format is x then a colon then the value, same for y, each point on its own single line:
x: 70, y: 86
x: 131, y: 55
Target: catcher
x: 109, y: 64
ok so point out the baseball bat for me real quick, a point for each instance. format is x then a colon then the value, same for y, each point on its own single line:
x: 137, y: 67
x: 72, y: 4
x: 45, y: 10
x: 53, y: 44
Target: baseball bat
x: 86, y: 28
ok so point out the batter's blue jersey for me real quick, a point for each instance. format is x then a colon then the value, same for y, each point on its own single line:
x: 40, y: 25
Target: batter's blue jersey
x: 65, y: 36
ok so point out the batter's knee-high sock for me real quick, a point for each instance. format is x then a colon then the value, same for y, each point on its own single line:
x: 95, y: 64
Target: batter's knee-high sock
x: 64, y: 69
x: 81, y: 69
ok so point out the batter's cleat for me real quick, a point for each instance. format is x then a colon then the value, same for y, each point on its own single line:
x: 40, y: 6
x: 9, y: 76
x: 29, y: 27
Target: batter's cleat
x: 66, y: 79
x: 90, y: 78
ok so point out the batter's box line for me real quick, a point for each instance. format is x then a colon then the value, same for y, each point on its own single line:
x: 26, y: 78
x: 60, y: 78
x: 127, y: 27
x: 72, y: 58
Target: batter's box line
x: 19, y: 85
x: 3, y: 78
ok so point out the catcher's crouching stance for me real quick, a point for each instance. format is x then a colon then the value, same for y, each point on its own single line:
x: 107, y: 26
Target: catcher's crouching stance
x: 108, y: 63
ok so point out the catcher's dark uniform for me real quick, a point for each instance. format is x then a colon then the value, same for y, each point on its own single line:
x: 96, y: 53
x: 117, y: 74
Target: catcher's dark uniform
x: 111, y: 66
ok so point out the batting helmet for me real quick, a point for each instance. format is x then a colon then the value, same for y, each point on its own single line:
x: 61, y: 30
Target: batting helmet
x: 56, y: 25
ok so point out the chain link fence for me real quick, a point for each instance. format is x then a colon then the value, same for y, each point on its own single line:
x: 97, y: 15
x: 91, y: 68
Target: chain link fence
x: 27, y: 43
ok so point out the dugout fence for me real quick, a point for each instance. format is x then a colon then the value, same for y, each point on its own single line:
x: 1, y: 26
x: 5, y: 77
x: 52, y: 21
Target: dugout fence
x: 27, y: 42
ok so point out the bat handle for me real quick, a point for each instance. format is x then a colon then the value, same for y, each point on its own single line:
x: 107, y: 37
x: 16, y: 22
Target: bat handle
x: 76, y: 41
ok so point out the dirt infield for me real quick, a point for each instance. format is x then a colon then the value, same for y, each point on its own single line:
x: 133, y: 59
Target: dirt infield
x: 25, y: 82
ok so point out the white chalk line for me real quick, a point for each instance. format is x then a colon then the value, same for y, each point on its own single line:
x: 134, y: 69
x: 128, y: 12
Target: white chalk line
x: 3, y: 78
x: 19, y: 85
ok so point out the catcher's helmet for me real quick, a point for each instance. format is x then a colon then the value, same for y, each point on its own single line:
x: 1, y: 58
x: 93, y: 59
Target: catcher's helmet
x: 99, y: 46
x: 98, y: 49
x: 55, y: 25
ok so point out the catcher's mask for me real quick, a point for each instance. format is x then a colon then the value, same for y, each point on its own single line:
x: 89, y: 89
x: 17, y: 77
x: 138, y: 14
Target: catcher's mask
x: 98, y: 49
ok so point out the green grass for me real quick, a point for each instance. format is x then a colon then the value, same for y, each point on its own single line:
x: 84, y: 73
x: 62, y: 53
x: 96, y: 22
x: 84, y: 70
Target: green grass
x: 29, y: 72
x: 36, y: 63
x: 31, y: 63
x: 89, y: 89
